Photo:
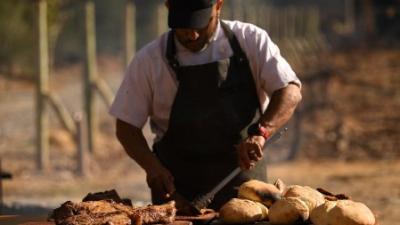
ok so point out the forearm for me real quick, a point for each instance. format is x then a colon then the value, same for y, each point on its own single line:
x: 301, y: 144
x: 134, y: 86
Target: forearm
x: 158, y: 177
x: 135, y: 145
x: 281, y: 107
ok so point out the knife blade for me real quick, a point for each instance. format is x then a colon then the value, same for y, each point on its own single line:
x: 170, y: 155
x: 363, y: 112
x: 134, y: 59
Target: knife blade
x: 203, y: 201
x: 183, y: 206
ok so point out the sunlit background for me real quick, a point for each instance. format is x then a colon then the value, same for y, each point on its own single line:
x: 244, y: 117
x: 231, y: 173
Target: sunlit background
x: 61, y: 62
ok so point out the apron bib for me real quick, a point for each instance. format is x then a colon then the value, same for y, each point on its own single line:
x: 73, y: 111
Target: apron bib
x: 213, y: 104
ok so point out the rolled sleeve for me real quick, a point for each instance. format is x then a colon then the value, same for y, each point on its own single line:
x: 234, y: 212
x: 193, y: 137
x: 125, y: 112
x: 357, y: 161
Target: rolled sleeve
x: 275, y: 72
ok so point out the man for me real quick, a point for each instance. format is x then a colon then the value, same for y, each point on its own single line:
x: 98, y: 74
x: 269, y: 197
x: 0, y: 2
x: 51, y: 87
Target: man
x: 202, y: 85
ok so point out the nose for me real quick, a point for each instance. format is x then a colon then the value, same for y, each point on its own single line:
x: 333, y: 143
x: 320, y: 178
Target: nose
x: 193, y: 35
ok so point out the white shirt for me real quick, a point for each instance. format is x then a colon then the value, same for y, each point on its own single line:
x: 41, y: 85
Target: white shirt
x: 149, y: 85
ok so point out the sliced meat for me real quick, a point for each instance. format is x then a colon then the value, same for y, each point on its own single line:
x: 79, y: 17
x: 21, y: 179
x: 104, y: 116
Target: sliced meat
x: 110, y: 212
x: 156, y: 213
x: 106, y: 195
x: 98, y: 219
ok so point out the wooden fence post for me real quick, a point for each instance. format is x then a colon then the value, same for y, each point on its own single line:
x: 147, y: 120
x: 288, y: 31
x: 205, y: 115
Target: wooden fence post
x: 90, y: 71
x: 3, y: 176
x: 82, y: 157
x: 42, y: 88
x: 92, y: 80
x: 130, y: 31
x: 44, y: 98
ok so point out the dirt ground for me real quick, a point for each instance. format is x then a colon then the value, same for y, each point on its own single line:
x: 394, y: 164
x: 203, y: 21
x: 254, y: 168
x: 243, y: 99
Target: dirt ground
x: 374, y: 182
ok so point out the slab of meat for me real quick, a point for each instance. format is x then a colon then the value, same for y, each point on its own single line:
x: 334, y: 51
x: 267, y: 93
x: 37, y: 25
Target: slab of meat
x: 97, y: 219
x: 107, y: 195
x: 107, y: 212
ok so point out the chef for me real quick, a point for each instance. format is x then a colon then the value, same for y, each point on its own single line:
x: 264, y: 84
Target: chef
x: 214, y: 91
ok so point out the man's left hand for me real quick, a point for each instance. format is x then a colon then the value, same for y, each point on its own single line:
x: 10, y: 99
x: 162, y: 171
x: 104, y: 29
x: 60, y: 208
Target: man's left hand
x: 250, y: 151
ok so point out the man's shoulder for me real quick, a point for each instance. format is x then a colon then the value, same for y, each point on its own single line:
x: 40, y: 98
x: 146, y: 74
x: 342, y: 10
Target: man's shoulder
x: 243, y: 27
x: 250, y: 36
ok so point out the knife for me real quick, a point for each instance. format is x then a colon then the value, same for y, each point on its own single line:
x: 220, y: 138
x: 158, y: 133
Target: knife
x: 183, y: 206
x: 203, y: 201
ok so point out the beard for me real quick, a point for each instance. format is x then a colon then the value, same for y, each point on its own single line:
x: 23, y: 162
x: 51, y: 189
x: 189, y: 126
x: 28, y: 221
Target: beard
x: 196, y: 45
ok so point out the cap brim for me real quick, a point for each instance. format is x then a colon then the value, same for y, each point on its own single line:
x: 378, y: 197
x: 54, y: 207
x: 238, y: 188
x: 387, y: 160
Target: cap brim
x: 194, y: 20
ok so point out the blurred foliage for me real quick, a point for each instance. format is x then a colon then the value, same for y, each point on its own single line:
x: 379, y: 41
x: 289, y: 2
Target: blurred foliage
x: 69, y: 47
x: 16, y: 36
x: 66, y: 31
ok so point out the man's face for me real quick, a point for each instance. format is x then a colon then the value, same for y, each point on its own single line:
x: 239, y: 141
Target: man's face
x: 196, y: 39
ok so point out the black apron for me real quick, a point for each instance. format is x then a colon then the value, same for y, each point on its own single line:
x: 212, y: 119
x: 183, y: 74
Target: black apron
x: 213, y: 104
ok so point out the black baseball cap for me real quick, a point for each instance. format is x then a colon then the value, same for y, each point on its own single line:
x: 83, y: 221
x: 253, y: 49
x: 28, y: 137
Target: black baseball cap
x: 193, y: 14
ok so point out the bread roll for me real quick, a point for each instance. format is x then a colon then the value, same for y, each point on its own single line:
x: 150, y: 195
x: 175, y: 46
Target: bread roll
x: 288, y: 211
x: 319, y: 215
x: 342, y: 212
x: 310, y: 196
x: 238, y: 211
x: 259, y: 191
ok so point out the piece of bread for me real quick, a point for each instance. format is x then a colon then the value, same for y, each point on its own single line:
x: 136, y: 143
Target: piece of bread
x: 319, y: 215
x: 288, y: 211
x: 238, y: 211
x: 259, y: 191
x: 310, y: 196
x: 280, y: 185
x: 342, y: 212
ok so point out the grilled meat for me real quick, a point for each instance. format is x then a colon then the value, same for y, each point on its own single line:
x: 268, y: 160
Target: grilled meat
x: 105, y: 212
x: 97, y: 219
x: 107, y: 195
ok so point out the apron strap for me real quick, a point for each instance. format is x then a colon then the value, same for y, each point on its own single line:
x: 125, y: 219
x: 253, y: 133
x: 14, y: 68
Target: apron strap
x: 237, y: 50
x: 234, y: 43
x: 239, y: 55
x: 171, y: 53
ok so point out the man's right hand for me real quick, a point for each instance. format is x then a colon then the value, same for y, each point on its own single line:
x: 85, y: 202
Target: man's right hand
x: 250, y: 150
x: 161, y: 181
x: 158, y: 177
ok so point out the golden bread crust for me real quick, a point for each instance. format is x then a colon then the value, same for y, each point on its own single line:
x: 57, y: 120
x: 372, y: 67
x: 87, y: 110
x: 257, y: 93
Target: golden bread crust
x: 310, y: 196
x: 259, y: 191
x: 238, y: 211
x: 343, y: 212
x: 288, y: 211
